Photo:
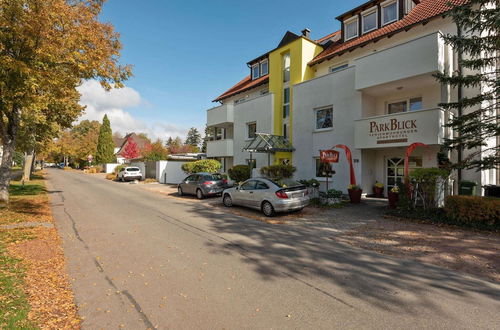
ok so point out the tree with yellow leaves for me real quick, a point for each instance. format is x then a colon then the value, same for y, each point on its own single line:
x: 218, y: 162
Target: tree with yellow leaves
x: 47, y: 48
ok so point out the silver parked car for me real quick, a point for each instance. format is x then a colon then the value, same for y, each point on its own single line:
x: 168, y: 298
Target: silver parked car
x: 202, y: 185
x: 268, y: 196
x: 129, y: 174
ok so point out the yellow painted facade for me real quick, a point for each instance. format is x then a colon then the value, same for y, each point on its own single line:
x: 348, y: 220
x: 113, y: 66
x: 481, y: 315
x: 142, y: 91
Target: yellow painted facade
x: 301, y: 52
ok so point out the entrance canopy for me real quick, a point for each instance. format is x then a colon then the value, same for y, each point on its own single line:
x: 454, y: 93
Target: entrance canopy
x: 267, y: 143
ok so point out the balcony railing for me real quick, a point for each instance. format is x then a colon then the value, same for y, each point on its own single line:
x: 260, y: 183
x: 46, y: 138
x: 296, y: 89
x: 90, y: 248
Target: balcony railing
x: 401, y: 129
x: 221, y: 148
x: 221, y: 116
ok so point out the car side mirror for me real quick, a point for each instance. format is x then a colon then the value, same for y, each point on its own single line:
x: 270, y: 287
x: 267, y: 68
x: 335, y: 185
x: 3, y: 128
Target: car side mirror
x: 238, y: 187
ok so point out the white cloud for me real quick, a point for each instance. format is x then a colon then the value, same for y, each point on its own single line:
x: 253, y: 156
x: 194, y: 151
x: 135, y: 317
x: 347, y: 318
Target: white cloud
x: 99, y: 102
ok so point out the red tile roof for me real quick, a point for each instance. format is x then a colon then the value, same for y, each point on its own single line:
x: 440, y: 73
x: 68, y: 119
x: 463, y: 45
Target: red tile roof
x: 243, y: 86
x: 424, y: 11
x: 328, y: 36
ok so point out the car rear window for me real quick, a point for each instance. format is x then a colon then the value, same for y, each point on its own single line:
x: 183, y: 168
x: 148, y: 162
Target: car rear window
x: 286, y: 183
x: 214, y: 177
x: 133, y: 169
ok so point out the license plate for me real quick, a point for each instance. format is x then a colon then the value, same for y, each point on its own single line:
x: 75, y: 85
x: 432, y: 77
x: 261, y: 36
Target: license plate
x: 297, y: 195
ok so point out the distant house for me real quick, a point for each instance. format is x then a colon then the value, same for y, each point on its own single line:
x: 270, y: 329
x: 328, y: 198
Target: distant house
x: 121, y: 143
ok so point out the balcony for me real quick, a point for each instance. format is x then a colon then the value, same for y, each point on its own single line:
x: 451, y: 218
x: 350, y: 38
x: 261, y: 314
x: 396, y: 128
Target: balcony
x: 401, y: 129
x: 421, y: 56
x: 221, y: 116
x: 221, y: 148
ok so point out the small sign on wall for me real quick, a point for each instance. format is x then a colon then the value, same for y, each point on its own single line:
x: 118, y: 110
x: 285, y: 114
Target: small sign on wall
x: 329, y: 156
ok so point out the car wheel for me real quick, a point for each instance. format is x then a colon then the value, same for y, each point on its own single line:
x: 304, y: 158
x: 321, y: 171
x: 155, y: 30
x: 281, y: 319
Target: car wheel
x: 227, y: 200
x: 199, y: 194
x: 180, y: 192
x: 268, y: 209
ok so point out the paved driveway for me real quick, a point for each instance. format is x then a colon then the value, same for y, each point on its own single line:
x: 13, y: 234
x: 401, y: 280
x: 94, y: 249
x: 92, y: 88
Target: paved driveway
x: 140, y: 260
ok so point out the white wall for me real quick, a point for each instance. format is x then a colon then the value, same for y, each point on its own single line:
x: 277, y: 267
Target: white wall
x: 336, y: 90
x: 109, y: 168
x: 259, y: 110
x: 170, y: 172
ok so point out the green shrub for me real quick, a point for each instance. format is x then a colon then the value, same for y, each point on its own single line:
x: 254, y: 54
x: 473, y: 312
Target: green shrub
x: 310, y: 183
x: 204, y: 165
x: 332, y: 193
x: 118, y: 168
x: 240, y: 173
x: 473, y: 210
x: 278, y: 172
x: 428, y: 180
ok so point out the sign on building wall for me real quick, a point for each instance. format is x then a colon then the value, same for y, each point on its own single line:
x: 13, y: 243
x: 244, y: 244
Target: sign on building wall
x: 400, y: 130
x: 329, y: 156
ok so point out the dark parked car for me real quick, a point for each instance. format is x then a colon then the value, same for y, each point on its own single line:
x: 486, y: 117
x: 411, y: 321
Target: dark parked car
x: 202, y: 185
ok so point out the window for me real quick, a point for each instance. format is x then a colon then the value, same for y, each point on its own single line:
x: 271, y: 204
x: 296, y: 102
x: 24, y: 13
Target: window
x: 369, y: 20
x: 249, y: 185
x: 416, y: 103
x: 351, y: 29
x: 218, y: 133
x: 255, y: 71
x: 251, y: 130
x: 413, y: 104
x: 264, y: 68
x: 286, y: 67
x: 324, y: 118
x: 336, y: 68
x: 409, y: 5
x: 285, y: 131
x: 323, y: 170
x: 261, y: 185
x: 286, y: 102
x: 397, y: 107
x: 389, y: 12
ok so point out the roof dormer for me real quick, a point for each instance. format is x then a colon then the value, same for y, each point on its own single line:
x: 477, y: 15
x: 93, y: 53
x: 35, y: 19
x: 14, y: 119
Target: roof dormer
x: 373, y: 15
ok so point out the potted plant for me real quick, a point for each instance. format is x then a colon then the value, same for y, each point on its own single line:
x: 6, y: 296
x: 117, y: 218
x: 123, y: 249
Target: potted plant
x: 393, y: 195
x: 355, y: 192
x: 378, y: 189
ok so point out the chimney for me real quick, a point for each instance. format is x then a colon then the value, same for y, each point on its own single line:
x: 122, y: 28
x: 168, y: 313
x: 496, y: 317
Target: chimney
x: 306, y: 33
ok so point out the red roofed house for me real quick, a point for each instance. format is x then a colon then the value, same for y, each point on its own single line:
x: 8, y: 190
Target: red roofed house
x: 369, y: 86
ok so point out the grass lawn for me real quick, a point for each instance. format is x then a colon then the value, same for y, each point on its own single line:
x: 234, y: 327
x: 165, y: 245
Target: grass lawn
x: 34, y: 289
x: 14, y: 304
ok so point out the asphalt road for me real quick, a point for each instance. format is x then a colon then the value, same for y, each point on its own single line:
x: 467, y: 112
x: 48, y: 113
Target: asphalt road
x: 140, y: 260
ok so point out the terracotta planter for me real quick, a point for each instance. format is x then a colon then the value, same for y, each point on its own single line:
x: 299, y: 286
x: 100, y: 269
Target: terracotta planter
x: 393, y: 199
x: 355, y: 195
x: 378, y: 192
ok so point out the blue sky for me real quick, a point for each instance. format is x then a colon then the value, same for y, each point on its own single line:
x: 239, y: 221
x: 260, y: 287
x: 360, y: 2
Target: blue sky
x: 186, y: 53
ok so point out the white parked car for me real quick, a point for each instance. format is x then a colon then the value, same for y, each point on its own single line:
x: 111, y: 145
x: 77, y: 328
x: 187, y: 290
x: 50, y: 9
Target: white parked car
x: 129, y: 174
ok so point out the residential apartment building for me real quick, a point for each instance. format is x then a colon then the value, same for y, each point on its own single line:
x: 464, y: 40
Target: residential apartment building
x: 369, y: 86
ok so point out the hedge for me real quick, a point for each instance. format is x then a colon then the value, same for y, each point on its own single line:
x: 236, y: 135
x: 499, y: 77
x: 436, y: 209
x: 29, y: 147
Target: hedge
x: 204, y: 165
x: 240, y: 173
x: 473, y: 210
x: 278, y: 171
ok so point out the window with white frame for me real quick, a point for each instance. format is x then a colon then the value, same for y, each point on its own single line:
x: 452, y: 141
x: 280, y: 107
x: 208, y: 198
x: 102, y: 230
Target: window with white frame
x: 255, y: 71
x: 369, y: 20
x: 351, y: 28
x: 339, y: 67
x: 411, y: 104
x: 323, y: 170
x: 264, y: 68
x: 323, y: 118
x: 389, y: 11
x: 286, y: 67
x: 286, y: 102
x: 251, y: 130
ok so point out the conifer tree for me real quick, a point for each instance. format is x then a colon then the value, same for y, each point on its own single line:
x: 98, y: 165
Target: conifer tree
x: 105, y: 145
x: 476, y: 120
x: 193, y: 137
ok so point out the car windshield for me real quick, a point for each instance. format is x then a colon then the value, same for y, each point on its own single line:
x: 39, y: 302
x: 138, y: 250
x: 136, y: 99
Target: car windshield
x: 133, y: 169
x: 286, y: 183
x: 214, y: 177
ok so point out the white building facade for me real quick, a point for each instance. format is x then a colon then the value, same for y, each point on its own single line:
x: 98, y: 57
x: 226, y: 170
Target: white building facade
x: 371, y: 88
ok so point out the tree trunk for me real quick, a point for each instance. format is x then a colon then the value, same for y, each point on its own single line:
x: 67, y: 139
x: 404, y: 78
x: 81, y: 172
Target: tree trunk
x: 5, y: 168
x: 28, y: 165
